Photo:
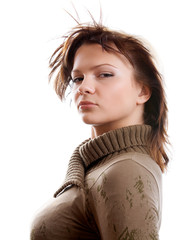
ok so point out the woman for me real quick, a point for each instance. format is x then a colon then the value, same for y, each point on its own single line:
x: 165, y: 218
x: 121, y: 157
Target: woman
x: 113, y: 187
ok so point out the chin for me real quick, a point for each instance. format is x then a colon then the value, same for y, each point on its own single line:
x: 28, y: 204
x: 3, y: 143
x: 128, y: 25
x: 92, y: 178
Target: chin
x: 91, y: 121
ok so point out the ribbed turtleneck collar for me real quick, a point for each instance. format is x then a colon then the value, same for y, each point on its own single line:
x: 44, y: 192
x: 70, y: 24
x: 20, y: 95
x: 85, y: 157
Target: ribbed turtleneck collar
x: 132, y: 138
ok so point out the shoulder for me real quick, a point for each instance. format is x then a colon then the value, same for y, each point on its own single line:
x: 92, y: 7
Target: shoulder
x: 125, y: 192
x: 126, y: 168
x: 132, y: 164
x: 131, y: 178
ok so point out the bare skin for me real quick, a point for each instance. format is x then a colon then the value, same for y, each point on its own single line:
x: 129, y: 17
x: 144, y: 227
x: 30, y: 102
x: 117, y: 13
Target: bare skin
x: 105, y: 92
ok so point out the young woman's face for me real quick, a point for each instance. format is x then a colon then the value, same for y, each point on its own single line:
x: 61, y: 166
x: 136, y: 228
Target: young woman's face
x: 105, y: 91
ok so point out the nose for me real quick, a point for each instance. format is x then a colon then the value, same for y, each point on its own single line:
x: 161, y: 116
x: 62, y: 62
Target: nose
x: 86, y: 86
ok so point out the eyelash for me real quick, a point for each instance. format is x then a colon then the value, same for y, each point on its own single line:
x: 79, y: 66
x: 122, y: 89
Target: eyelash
x: 102, y: 75
x: 77, y: 79
x: 106, y: 75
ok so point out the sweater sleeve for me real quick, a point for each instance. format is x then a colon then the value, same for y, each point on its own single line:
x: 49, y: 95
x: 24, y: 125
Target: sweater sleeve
x: 126, y: 202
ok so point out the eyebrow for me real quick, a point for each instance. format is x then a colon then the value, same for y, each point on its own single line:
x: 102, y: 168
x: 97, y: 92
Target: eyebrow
x: 97, y: 66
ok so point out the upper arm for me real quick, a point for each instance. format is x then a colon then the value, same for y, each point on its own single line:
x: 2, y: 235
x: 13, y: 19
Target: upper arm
x: 126, y: 202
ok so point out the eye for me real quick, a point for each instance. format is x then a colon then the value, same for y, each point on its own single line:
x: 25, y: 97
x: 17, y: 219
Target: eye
x: 77, y: 79
x: 105, y: 75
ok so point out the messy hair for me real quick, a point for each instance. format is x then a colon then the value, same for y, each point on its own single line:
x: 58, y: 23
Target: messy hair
x: 145, y: 72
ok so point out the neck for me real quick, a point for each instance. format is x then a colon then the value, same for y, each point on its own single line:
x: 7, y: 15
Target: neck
x: 99, y: 130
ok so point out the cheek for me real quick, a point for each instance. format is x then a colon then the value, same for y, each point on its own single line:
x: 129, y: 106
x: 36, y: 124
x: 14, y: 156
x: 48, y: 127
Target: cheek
x: 75, y: 94
x: 122, y: 96
x: 120, y: 91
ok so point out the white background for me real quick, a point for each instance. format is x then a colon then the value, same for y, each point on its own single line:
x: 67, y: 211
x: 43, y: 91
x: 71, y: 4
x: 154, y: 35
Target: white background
x: 37, y: 132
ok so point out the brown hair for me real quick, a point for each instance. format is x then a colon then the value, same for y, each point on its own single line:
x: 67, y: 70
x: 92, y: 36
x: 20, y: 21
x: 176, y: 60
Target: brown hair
x: 145, y: 72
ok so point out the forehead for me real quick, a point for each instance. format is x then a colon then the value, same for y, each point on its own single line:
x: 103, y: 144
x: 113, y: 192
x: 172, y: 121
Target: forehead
x: 95, y: 54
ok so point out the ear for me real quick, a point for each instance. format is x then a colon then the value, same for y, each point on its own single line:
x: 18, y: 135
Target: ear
x: 144, y: 95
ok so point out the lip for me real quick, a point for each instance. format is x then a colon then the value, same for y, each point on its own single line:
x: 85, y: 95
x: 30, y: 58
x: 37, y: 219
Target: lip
x: 86, y: 105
